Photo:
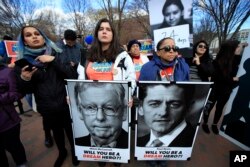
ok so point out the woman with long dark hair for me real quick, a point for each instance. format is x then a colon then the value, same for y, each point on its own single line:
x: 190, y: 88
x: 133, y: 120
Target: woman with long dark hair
x: 107, y: 60
x: 200, y: 65
x: 224, y: 78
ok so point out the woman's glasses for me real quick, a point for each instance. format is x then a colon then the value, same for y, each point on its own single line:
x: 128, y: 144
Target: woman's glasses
x: 202, y: 46
x: 168, y: 48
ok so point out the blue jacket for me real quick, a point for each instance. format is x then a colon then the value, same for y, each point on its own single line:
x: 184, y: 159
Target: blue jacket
x: 151, y: 70
x: 70, y: 53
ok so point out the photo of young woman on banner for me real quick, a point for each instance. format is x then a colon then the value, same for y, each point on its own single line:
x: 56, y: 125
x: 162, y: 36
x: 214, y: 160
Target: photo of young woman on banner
x: 100, y: 115
x: 172, y: 18
x: 168, y: 119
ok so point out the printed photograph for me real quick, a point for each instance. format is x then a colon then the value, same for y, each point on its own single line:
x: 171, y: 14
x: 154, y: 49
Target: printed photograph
x: 100, y: 115
x: 169, y: 114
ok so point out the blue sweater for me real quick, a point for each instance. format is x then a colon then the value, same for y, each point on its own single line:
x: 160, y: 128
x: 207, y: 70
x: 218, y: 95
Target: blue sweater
x: 151, y: 70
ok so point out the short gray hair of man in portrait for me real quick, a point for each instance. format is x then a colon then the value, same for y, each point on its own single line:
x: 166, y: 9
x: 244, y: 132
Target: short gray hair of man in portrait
x: 103, y: 108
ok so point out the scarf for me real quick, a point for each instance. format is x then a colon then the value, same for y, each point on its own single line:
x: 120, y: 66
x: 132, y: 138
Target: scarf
x: 181, y: 70
x: 49, y: 46
x: 170, y: 64
x: 31, y: 55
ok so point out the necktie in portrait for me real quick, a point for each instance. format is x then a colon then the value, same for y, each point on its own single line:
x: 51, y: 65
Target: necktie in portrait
x: 156, y: 143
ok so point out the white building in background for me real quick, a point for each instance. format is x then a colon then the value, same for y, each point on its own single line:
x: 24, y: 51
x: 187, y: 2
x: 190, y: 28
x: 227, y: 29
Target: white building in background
x: 241, y: 36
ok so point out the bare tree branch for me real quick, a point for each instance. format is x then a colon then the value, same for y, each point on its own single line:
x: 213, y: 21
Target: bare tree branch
x: 15, y: 13
x: 115, y: 11
x: 78, y: 9
x: 228, y: 15
x: 139, y: 11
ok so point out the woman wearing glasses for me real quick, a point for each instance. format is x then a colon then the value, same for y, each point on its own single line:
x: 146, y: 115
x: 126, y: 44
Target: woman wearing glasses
x: 166, y: 65
x: 201, y: 67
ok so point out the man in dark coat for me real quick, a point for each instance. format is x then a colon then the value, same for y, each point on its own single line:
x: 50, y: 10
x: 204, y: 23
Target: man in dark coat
x: 103, y: 109
x: 164, y: 107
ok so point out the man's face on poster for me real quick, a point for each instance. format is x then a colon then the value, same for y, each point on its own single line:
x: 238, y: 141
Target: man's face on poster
x: 103, y: 113
x: 163, y: 108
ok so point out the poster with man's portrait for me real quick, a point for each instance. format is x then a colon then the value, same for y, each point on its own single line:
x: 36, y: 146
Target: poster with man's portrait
x: 172, y: 18
x: 168, y: 118
x: 100, y: 120
x: 235, y: 125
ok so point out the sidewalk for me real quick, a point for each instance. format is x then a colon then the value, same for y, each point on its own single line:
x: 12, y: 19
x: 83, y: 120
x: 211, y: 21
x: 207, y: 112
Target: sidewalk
x: 209, y: 150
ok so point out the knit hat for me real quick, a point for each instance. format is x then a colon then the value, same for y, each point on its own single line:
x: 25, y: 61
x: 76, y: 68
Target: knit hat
x: 70, y: 35
x: 132, y: 42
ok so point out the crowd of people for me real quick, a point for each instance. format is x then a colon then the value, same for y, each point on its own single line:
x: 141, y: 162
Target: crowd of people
x: 43, y: 66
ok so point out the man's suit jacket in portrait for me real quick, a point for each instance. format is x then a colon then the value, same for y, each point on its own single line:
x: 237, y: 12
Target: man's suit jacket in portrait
x: 122, y: 140
x: 184, y: 139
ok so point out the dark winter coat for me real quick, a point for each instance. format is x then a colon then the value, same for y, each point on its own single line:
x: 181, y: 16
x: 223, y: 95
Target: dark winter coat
x: 48, y: 85
x: 151, y: 70
x: 204, y: 70
x: 8, y: 95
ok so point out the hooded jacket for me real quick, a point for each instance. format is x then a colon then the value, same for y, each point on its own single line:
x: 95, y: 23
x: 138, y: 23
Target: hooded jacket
x: 151, y: 70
